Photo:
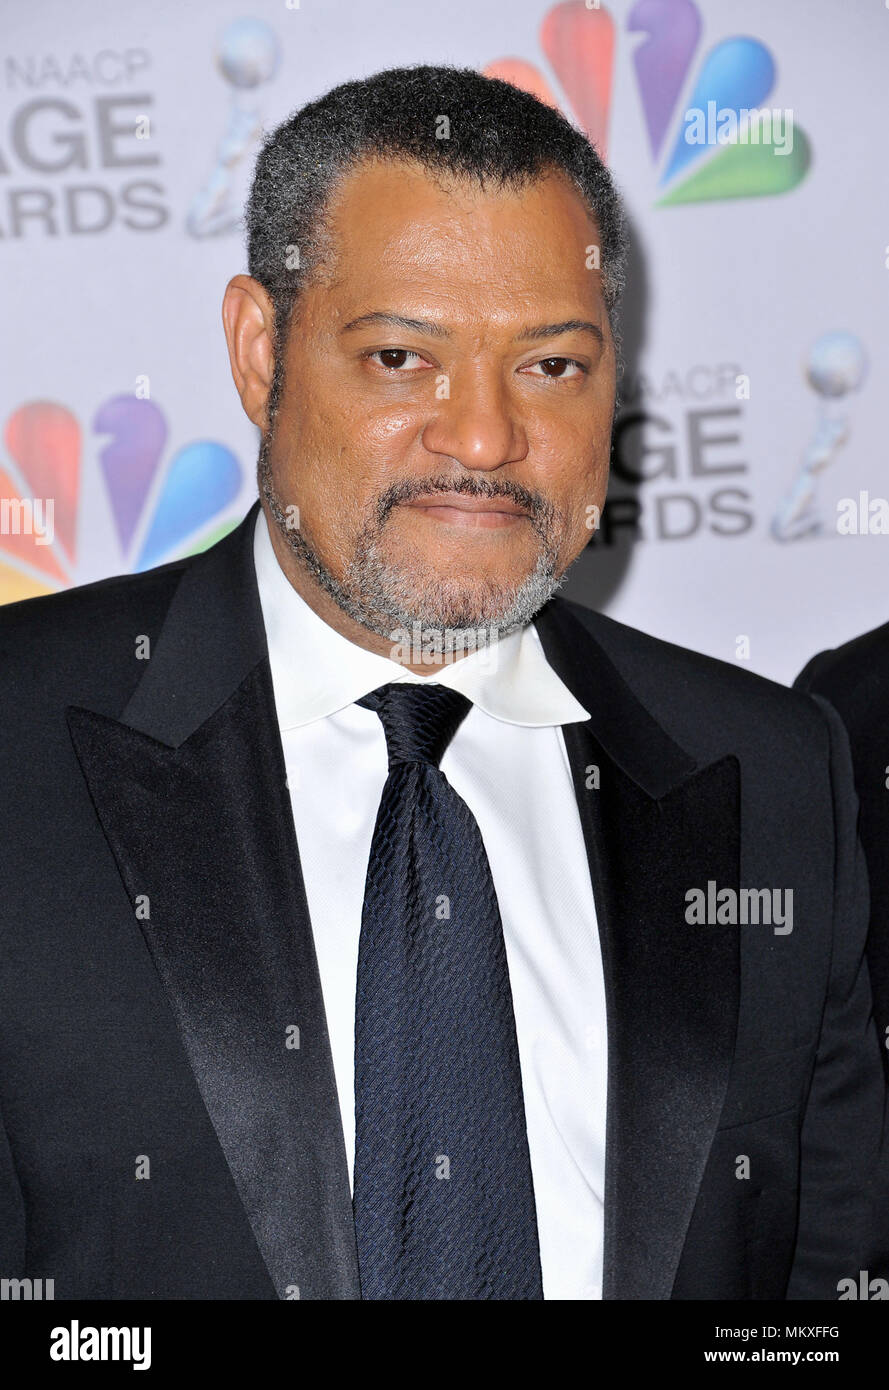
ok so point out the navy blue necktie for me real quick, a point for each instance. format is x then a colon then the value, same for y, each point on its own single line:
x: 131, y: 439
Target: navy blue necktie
x: 443, y: 1194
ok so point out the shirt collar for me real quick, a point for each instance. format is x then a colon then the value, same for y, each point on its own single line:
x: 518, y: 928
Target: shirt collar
x: 518, y: 687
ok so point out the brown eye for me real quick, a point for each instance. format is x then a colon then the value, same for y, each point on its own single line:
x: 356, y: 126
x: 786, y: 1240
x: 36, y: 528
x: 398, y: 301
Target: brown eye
x: 393, y: 357
x: 557, y: 367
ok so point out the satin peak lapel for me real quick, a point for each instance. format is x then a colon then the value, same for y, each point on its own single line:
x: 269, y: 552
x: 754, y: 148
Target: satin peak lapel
x: 191, y: 795
x: 655, y: 827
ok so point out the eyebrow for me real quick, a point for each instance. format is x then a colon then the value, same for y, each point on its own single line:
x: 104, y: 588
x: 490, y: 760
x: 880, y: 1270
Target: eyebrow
x: 530, y: 333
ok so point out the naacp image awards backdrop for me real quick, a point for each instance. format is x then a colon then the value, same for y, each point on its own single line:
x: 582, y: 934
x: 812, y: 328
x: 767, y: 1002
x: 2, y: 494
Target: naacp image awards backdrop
x: 747, y: 514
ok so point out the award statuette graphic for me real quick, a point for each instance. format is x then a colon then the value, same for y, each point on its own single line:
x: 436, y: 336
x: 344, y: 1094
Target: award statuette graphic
x: 247, y: 57
x: 837, y: 365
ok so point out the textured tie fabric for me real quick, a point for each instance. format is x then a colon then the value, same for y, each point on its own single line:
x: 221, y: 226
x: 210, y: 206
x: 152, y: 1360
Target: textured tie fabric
x: 442, y: 1192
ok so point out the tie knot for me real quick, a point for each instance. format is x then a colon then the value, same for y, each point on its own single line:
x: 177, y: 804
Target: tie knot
x: 419, y: 721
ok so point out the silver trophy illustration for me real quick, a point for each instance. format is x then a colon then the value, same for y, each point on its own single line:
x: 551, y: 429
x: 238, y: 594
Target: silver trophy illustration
x: 836, y: 366
x: 247, y: 57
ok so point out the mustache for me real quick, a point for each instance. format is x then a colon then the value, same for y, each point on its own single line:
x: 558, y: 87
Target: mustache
x: 534, y: 503
x: 545, y: 518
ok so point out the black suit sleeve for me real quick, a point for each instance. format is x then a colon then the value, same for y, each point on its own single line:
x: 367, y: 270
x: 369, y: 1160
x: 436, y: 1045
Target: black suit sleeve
x: 841, y: 1158
x: 12, y: 1215
x: 855, y: 680
x: 808, y: 677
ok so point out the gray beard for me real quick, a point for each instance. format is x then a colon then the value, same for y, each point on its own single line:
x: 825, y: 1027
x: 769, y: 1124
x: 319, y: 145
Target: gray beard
x: 389, y: 599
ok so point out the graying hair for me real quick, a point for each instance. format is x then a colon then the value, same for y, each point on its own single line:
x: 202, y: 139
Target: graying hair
x: 498, y: 136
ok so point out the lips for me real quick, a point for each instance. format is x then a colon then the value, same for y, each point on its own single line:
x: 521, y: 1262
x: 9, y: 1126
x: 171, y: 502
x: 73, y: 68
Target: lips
x: 461, y: 502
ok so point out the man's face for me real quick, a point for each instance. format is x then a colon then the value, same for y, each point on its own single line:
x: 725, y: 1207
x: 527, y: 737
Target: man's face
x: 444, y: 436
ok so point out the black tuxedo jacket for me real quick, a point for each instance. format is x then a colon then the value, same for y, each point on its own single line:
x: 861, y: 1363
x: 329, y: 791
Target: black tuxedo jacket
x: 157, y: 948
x: 855, y: 679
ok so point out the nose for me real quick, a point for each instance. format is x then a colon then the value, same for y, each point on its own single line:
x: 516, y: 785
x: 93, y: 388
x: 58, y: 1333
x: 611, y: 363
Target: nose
x: 476, y: 422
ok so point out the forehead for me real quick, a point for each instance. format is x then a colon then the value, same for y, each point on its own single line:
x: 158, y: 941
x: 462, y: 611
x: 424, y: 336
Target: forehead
x: 399, y: 224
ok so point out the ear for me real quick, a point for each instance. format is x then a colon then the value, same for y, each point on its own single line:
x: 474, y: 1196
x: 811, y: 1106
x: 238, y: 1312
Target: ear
x: 248, y: 318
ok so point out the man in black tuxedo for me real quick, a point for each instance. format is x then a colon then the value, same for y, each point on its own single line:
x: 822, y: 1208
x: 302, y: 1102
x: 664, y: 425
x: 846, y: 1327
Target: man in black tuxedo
x: 855, y: 679
x: 337, y: 968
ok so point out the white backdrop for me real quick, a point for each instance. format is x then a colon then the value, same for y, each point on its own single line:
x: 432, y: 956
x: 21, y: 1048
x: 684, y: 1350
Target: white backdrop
x: 115, y: 394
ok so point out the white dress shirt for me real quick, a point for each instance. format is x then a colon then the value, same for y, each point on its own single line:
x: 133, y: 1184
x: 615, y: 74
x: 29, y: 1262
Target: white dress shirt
x: 508, y: 763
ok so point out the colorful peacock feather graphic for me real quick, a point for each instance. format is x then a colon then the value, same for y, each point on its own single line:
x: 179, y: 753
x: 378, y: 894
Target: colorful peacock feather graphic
x: 734, y: 77
x: 160, y: 511
x: 172, y: 506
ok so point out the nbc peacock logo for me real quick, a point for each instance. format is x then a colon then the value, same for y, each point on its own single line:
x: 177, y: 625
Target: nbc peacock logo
x: 160, y: 508
x: 708, y: 133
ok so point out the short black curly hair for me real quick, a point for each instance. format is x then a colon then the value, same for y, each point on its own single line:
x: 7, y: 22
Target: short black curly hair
x: 496, y: 133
